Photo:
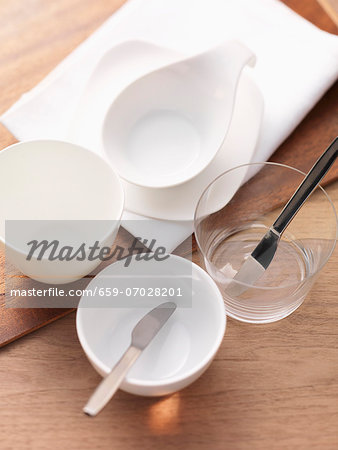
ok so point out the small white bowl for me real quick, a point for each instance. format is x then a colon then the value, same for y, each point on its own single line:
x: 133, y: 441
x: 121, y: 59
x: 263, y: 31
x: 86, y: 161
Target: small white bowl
x: 183, y: 348
x: 61, y: 191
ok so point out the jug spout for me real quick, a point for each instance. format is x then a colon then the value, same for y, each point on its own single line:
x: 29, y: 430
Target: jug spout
x: 228, y: 61
x: 238, y: 53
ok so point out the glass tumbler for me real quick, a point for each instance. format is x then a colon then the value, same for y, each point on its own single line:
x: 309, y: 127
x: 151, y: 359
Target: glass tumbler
x: 233, y: 214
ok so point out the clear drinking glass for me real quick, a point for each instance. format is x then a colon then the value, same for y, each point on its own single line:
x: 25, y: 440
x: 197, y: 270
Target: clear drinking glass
x: 234, y: 213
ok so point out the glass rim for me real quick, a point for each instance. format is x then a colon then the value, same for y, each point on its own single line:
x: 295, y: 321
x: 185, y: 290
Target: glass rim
x: 268, y: 288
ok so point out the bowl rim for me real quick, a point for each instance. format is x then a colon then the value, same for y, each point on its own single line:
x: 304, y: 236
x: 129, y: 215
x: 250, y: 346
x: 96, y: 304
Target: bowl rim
x: 284, y: 286
x: 88, y: 152
x: 134, y: 382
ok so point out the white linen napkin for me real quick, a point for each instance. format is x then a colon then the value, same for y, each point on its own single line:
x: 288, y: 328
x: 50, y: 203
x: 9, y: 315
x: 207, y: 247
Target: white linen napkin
x: 296, y: 64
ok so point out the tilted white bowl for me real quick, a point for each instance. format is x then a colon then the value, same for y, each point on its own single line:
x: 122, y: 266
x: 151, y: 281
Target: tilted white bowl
x: 183, y: 348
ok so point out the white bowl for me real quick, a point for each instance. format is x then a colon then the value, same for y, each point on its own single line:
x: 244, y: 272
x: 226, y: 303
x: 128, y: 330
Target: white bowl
x: 47, y: 187
x: 184, y: 347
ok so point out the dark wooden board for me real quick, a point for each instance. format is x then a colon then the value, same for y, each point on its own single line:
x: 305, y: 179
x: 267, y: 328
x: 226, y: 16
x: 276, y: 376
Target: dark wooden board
x: 30, y: 64
x: 16, y: 322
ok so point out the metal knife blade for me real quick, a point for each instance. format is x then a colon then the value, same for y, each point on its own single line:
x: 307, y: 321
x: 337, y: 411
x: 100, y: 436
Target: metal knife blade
x: 143, y: 333
x: 147, y: 328
x: 255, y: 265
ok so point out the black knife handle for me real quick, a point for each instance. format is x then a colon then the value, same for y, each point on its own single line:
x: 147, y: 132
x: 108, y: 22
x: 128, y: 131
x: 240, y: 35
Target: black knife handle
x: 307, y: 186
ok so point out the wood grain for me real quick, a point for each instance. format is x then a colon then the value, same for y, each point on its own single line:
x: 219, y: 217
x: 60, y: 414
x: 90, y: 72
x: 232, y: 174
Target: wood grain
x: 312, y: 11
x: 331, y: 8
x: 270, y: 387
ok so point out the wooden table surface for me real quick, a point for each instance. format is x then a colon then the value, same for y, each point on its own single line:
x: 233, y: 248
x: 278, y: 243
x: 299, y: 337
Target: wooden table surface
x: 271, y: 386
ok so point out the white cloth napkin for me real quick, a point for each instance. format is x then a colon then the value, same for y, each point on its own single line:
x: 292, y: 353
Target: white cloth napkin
x: 296, y: 64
